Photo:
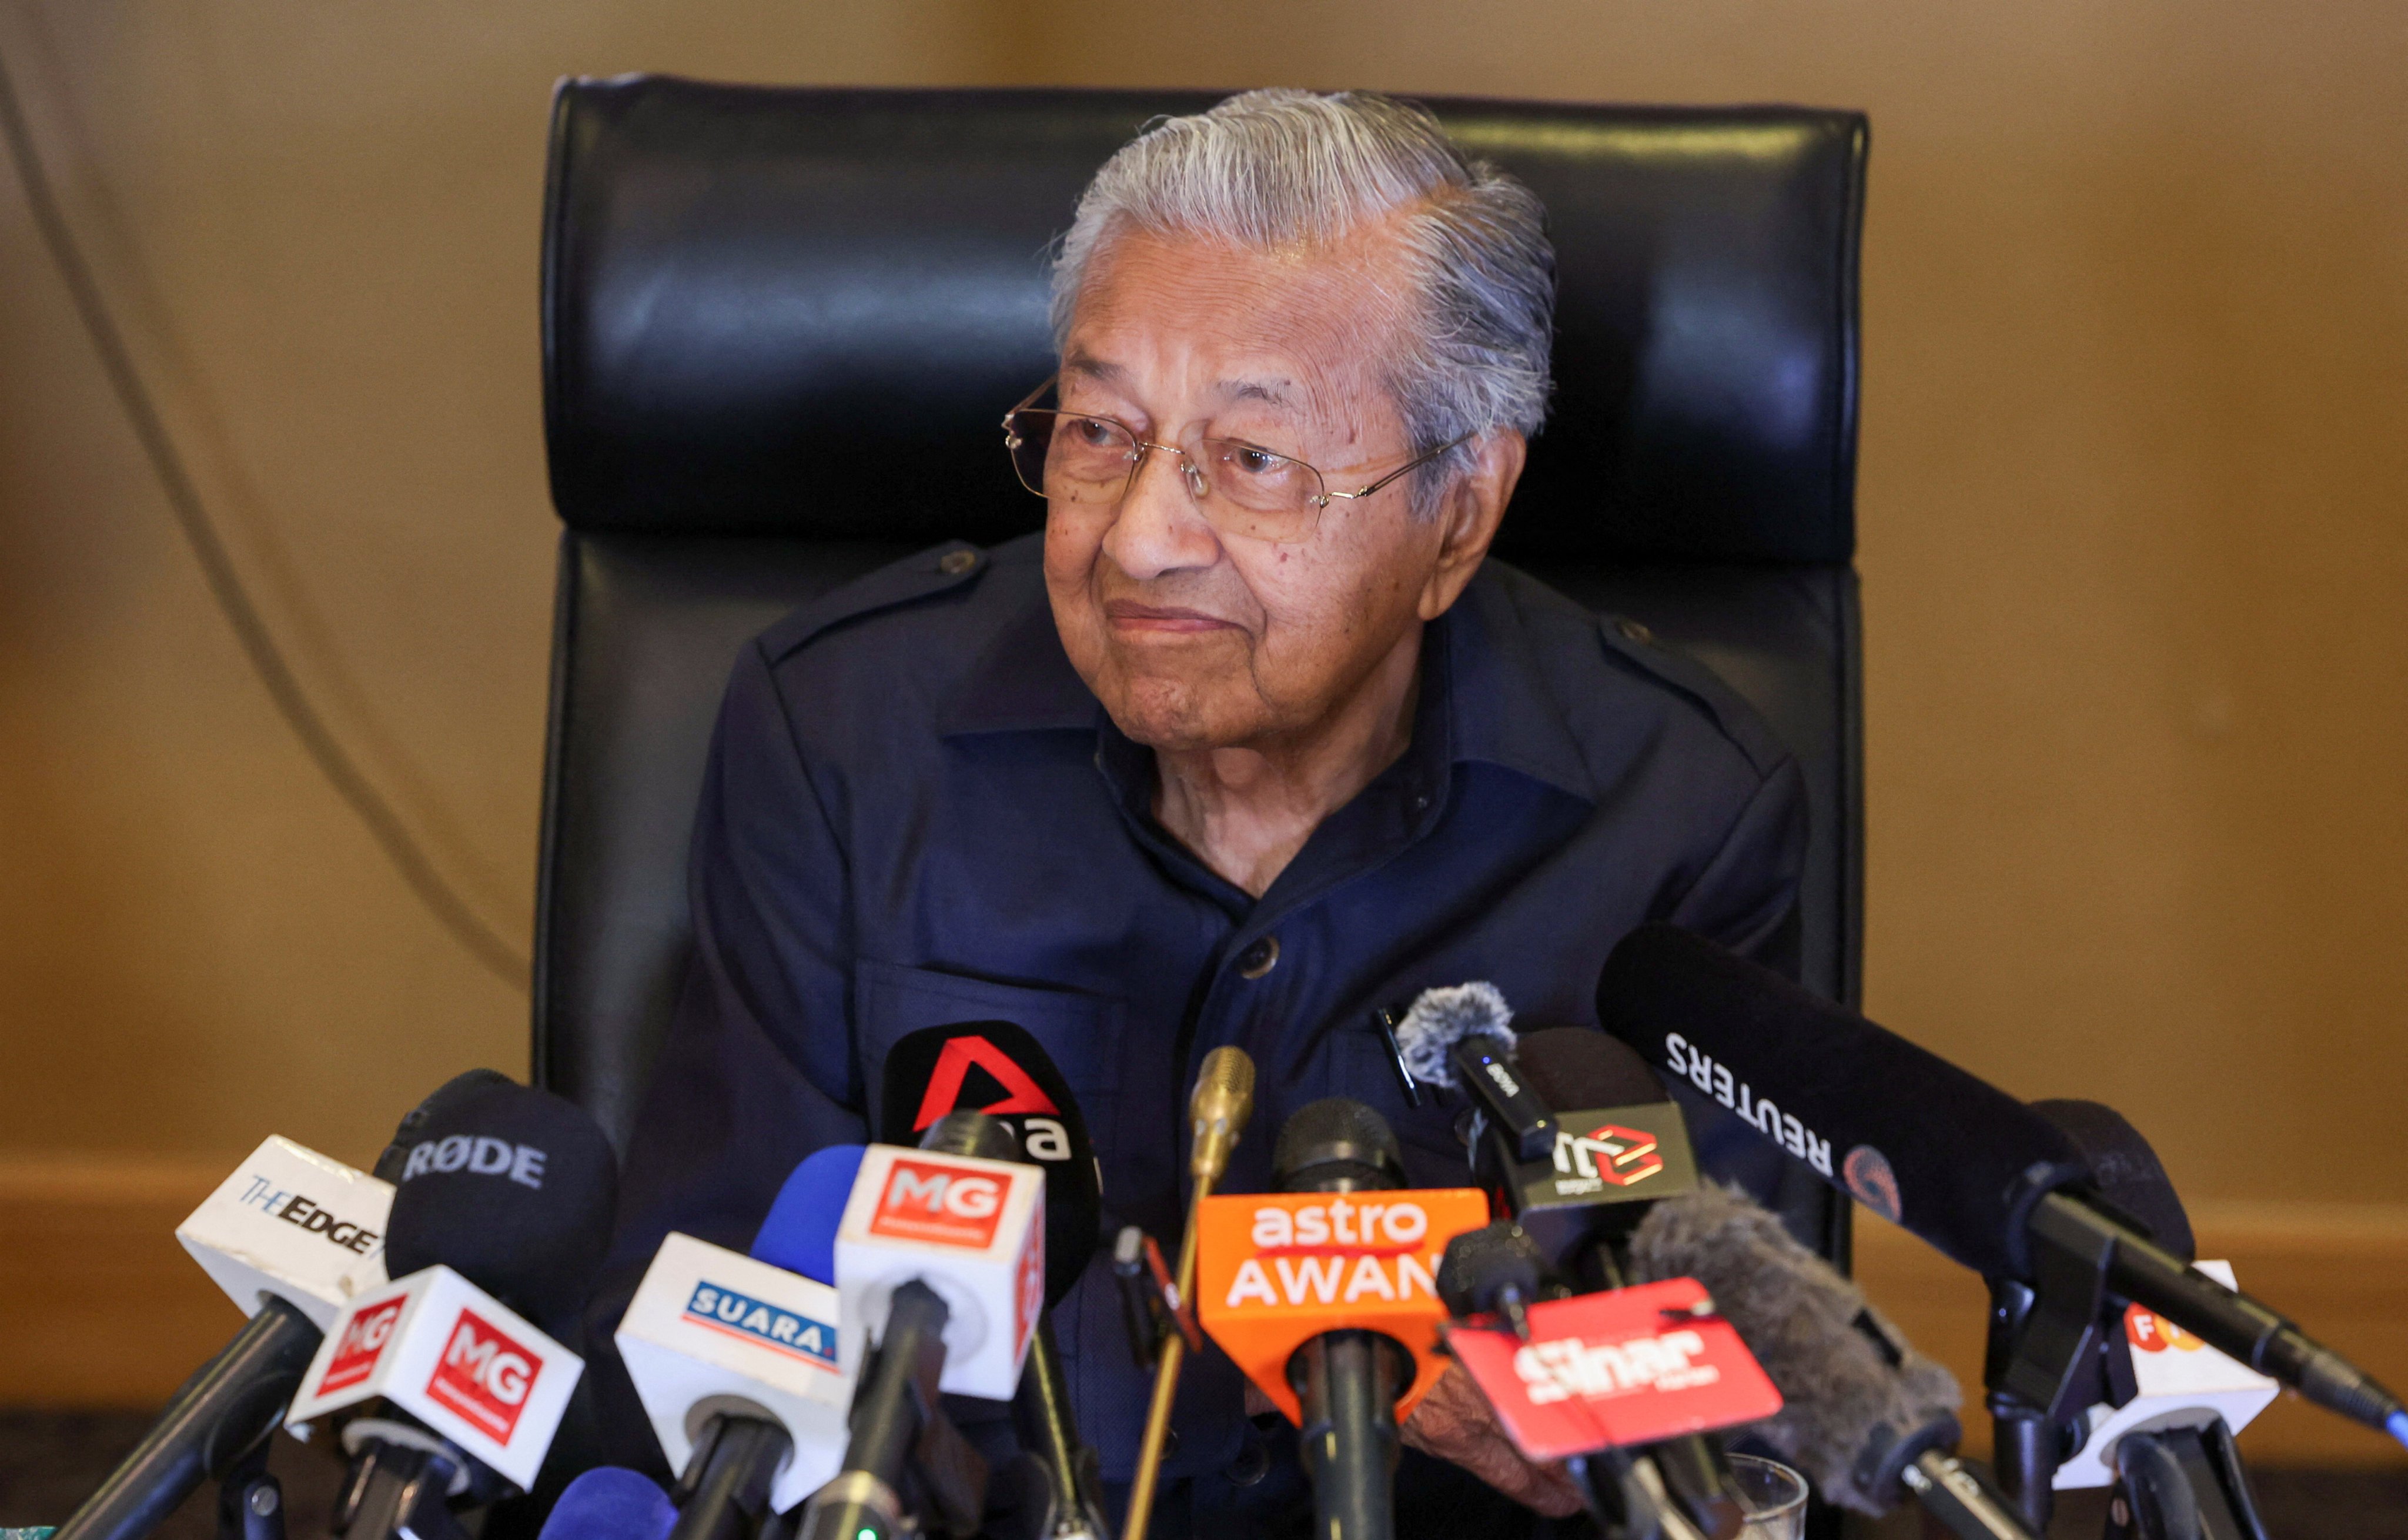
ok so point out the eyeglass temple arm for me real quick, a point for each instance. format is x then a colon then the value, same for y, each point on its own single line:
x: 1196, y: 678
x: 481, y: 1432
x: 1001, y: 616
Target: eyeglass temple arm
x: 1408, y: 465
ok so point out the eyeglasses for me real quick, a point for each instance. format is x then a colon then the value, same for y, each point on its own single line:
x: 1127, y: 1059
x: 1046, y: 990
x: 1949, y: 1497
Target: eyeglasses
x: 1240, y: 488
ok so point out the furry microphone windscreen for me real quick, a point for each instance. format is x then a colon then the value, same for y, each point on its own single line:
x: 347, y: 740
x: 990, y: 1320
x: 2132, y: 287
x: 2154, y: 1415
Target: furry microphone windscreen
x: 1443, y: 1018
x: 1857, y: 1403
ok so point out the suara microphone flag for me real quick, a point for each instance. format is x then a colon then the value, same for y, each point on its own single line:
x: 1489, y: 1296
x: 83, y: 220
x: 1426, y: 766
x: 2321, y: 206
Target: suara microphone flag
x: 712, y: 1330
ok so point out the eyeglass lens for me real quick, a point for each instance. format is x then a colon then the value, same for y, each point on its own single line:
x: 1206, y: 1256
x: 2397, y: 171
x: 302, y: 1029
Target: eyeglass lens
x: 1070, y: 458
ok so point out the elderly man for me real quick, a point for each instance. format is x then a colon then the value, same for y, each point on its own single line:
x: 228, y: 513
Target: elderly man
x: 1254, y: 744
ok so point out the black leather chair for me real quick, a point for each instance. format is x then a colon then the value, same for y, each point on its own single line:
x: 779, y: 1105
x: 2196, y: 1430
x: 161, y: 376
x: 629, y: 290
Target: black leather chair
x: 780, y: 327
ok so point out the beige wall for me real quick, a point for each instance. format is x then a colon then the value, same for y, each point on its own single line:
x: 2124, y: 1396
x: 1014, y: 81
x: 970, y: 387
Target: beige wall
x: 2135, y: 446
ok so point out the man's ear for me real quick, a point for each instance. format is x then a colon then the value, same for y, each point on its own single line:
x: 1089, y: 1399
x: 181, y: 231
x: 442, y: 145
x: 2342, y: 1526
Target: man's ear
x: 1467, y: 516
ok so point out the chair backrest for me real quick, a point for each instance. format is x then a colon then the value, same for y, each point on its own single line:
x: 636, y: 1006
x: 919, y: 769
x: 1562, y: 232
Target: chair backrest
x: 780, y: 327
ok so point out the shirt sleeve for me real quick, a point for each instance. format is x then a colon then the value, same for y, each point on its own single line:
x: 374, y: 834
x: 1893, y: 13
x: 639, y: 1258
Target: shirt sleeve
x: 756, y: 1070
x: 1746, y: 897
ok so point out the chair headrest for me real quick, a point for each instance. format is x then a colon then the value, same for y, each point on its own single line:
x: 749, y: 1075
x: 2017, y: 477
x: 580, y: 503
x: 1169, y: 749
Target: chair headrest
x: 805, y: 312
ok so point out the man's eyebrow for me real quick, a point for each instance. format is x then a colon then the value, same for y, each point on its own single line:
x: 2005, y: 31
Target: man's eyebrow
x: 1274, y: 391
x: 1088, y: 367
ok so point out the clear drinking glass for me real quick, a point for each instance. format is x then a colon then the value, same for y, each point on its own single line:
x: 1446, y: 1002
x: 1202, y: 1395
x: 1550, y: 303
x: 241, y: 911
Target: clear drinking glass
x: 1775, y: 1498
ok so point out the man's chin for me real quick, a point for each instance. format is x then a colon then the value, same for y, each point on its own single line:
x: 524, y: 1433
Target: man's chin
x: 1170, y: 719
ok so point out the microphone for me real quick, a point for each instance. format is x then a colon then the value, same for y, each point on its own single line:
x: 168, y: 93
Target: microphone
x: 1960, y: 1163
x: 1867, y: 1418
x: 2151, y: 1377
x: 927, y: 1076
x: 734, y: 1357
x: 1217, y: 1113
x: 291, y: 1236
x: 1616, y: 1384
x: 1621, y: 1147
x: 611, y: 1502
x: 1460, y: 1037
x: 501, y: 1218
x: 1324, y: 1294
x: 941, y: 1257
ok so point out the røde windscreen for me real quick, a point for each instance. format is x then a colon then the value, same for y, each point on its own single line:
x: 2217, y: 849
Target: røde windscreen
x: 504, y: 1208
x: 1864, y: 1415
x: 291, y: 1236
x: 1952, y: 1159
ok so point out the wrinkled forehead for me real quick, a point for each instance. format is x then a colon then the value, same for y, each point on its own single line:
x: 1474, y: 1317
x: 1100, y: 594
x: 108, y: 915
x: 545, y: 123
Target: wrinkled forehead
x: 1312, y: 330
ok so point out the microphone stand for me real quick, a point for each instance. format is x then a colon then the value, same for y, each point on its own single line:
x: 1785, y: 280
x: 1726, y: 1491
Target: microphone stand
x: 2050, y: 1343
x: 251, y: 1501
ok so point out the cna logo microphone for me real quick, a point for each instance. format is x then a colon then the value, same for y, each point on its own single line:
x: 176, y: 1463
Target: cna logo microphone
x: 1626, y: 1367
x: 1273, y: 1270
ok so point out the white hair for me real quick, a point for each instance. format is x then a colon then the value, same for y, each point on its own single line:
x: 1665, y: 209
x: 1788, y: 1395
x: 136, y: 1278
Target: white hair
x: 1269, y: 170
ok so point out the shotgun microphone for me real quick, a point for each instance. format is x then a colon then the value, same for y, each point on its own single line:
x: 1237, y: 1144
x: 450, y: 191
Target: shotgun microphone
x: 1863, y: 1414
x: 1949, y: 1157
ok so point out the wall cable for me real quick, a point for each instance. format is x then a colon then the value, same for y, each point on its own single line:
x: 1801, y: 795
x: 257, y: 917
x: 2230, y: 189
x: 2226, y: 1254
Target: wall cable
x: 276, y: 675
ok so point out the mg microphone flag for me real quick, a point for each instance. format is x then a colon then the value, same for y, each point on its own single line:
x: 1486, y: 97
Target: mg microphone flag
x: 972, y: 1229
x: 453, y: 1356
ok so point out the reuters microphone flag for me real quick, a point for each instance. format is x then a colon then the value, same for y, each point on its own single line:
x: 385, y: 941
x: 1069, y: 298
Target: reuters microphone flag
x: 1273, y: 1270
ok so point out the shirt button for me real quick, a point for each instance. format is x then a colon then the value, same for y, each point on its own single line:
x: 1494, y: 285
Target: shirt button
x: 955, y: 563
x: 1259, y: 958
x: 1635, y: 632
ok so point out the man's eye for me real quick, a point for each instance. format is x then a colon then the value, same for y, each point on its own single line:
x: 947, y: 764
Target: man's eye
x: 1095, y: 432
x: 1253, y: 461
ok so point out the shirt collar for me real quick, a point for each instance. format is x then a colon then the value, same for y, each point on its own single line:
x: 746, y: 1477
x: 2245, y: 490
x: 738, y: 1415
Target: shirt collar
x: 1492, y: 705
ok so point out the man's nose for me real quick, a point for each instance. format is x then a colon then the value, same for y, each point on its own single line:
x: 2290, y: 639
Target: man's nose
x: 1160, y: 529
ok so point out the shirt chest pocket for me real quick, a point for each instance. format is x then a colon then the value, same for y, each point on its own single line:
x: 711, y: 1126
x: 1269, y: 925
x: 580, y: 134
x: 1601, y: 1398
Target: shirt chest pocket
x: 1079, y: 1033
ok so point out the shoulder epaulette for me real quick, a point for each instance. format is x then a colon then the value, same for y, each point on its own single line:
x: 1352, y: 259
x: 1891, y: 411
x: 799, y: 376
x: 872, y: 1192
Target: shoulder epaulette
x: 939, y: 570
x: 1635, y: 644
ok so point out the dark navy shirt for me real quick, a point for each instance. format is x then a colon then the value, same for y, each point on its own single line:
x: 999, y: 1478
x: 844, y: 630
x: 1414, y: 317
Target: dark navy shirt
x: 916, y: 813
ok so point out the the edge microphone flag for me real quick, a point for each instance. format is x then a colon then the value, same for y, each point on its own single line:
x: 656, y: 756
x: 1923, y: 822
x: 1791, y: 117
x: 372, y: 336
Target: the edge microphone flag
x: 1631, y: 1366
x: 997, y: 1068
